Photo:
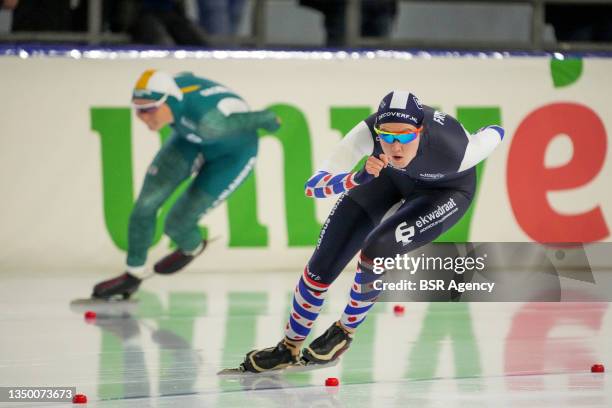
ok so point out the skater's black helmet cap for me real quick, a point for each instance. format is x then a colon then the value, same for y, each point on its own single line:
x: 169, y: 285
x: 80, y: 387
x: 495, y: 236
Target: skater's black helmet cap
x: 400, y: 107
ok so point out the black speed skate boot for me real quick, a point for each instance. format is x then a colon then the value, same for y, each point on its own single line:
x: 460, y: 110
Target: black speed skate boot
x: 328, y: 346
x: 122, y: 286
x: 272, y: 358
x: 177, y: 260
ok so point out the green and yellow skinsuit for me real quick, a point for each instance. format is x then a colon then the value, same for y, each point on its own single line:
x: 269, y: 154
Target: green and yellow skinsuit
x: 210, y: 123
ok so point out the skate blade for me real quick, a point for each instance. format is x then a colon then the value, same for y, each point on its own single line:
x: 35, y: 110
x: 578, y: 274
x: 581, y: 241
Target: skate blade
x: 103, y: 307
x: 295, y: 368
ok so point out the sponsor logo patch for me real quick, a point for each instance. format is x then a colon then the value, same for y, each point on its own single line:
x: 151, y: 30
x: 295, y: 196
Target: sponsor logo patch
x: 193, y: 138
x: 439, y: 117
x: 404, y: 233
x: 188, y: 123
x: 214, y: 90
x: 431, y: 176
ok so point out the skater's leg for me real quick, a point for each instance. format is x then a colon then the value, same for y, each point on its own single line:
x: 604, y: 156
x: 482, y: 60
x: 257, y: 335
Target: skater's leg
x: 307, y: 302
x: 346, y: 233
x: 349, y: 223
x: 362, y: 296
x: 172, y: 165
x: 399, y: 234
x: 384, y: 241
x: 341, y: 237
x: 216, y: 180
x: 337, y: 339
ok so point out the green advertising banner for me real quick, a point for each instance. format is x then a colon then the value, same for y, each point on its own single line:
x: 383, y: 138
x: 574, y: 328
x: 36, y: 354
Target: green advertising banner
x: 77, y: 166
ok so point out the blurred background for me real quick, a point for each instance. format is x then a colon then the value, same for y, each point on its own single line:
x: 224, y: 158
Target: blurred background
x: 448, y: 24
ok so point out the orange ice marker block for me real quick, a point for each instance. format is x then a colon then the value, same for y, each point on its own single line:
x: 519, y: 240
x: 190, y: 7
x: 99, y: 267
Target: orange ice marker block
x: 332, y: 382
x: 79, y: 399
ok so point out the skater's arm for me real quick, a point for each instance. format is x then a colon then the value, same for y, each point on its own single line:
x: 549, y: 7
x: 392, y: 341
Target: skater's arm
x: 458, y: 150
x: 232, y: 116
x: 480, y: 145
x: 335, y: 175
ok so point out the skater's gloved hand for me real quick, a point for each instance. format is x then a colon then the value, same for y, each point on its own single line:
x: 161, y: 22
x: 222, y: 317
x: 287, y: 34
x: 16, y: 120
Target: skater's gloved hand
x: 271, y: 122
x: 375, y: 165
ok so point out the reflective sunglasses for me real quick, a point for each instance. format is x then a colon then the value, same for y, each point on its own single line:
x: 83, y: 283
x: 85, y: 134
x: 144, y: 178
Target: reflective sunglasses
x: 403, y: 138
x: 149, y: 107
